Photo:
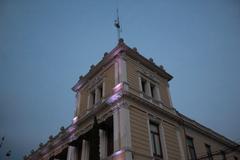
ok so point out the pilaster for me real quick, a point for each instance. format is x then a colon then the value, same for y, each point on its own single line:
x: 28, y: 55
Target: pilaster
x: 122, y: 133
x: 103, y: 144
x: 72, y: 153
x: 85, y: 150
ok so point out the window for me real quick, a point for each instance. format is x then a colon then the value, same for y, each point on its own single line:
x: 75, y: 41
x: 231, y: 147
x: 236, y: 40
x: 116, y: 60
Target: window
x: 223, y: 155
x: 191, y: 149
x: 209, y: 152
x: 149, y: 89
x: 109, y: 142
x: 153, y: 88
x: 96, y: 95
x: 144, y: 85
x: 93, y: 97
x: 100, y: 90
x: 155, y: 140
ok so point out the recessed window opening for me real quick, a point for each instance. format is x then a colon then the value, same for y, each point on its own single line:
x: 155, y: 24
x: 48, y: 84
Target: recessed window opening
x: 100, y: 89
x: 155, y: 140
x: 152, y: 88
x: 93, y: 97
x: 143, y: 83
x: 191, y: 149
x: 209, y: 152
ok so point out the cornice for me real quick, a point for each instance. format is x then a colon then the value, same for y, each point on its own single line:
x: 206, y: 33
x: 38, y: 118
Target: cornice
x: 133, y: 53
x: 206, y: 131
x: 108, y: 58
x: 120, y: 50
x: 182, y: 119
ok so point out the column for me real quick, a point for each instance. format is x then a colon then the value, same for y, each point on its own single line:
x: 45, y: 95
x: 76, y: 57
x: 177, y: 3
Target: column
x: 180, y: 143
x: 89, y: 101
x: 78, y: 98
x: 148, y: 88
x: 85, y: 150
x: 163, y: 142
x: 97, y: 95
x: 123, y: 71
x: 122, y: 134
x: 72, y: 153
x: 103, y: 144
x: 169, y: 96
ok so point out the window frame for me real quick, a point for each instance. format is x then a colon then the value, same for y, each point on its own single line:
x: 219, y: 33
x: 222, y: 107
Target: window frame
x: 149, y: 88
x: 93, y: 97
x: 223, y: 155
x: 93, y: 94
x: 209, y: 151
x: 153, y: 91
x: 153, y: 140
x: 143, y: 85
x: 192, y: 147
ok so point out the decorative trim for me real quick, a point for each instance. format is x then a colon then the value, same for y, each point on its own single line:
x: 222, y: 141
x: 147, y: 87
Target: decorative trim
x: 149, y: 136
x: 85, y: 150
x: 180, y: 143
x: 163, y: 142
x: 103, y: 144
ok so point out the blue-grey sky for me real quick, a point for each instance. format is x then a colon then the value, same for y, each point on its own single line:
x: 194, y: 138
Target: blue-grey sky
x: 46, y: 45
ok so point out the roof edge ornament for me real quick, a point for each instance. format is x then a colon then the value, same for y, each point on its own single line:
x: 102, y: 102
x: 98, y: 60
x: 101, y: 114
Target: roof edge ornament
x: 120, y: 40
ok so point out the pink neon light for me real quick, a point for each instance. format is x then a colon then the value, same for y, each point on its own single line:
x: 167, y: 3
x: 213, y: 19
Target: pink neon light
x: 75, y: 119
x: 117, y: 87
x: 118, y: 153
x: 114, y: 98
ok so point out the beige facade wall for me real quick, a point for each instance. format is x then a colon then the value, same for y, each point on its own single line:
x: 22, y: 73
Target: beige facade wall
x: 82, y: 106
x: 132, y: 77
x: 200, y: 140
x: 136, y: 70
x: 109, y: 80
x: 107, y: 77
x: 139, y: 132
x: 172, y: 144
x: 139, y: 121
x: 165, y: 97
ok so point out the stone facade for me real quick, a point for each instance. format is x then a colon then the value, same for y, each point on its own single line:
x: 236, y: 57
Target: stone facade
x: 124, y: 112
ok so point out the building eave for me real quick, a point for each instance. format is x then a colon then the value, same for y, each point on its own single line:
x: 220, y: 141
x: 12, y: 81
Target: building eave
x: 150, y: 64
x: 183, y: 120
x: 205, y: 130
x: 108, y: 57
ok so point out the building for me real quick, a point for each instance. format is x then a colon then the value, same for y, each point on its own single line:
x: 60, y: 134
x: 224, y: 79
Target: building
x: 124, y: 112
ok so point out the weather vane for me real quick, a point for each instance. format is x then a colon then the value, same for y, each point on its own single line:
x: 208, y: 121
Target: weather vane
x: 117, y: 25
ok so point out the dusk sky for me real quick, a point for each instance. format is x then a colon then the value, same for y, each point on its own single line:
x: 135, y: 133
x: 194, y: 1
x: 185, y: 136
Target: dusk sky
x: 45, y: 45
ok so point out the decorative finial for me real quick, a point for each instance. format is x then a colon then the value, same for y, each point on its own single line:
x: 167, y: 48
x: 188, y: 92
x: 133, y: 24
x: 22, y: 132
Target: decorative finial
x: 62, y: 129
x: 117, y: 25
x: 151, y: 60
x: 81, y: 77
x: 161, y: 66
x: 121, y: 40
x: 25, y: 157
x: 134, y: 49
x: 92, y: 66
x: 50, y: 137
x: 105, y: 54
x: 41, y: 145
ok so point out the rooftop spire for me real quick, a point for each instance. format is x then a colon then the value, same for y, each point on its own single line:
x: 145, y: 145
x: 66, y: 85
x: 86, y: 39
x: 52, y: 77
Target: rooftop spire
x: 117, y: 25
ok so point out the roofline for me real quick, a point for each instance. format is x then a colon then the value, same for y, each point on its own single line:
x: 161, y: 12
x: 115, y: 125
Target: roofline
x: 196, y: 125
x: 108, y: 57
x: 122, y: 47
x: 150, y: 64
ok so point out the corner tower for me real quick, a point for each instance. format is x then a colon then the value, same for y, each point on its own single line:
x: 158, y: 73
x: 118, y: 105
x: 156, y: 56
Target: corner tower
x: 124, y: 112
